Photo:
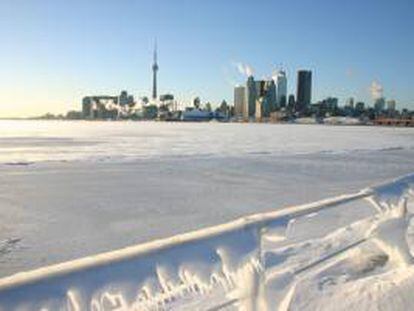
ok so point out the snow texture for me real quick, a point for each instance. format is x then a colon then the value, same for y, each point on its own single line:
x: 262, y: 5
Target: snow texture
x: 72, y: 190
x: 265, y: 261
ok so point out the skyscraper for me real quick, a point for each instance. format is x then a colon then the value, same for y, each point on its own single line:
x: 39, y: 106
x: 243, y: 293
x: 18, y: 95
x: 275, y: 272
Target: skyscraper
x: 154, y: 73
x: 379, y: 104
x: 239, y: 100
x: 271, y: 98
x: 260, y: 106
x: 260, y: 87
x: 250, y: 100
x: 281, y: 88
x: 304, y: 89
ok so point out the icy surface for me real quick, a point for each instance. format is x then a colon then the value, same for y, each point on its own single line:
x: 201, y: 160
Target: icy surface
x: 279, y: 260
x: 54, y: 211
x: 72, y: 189
x: 32, y: 141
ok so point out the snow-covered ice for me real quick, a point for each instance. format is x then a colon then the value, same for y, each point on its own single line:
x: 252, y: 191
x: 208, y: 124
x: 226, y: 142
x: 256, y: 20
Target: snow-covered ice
x: 264, y: 261
x: 73, y: 189
x: 32, y: 141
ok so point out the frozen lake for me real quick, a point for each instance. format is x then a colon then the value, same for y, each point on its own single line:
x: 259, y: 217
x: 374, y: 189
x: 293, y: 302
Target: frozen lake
x: 34, y: 141
x: 70, y: 189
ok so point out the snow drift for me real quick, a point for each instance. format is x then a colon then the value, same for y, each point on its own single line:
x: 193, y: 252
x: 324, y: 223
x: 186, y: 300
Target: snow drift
x: 303, y: 257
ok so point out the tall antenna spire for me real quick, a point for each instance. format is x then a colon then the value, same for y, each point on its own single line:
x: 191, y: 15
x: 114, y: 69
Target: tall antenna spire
x: 154, y: 72
x: 155, y: 51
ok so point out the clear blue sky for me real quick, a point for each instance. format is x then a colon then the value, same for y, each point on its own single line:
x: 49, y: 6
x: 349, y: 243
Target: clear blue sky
x: 53, y: 52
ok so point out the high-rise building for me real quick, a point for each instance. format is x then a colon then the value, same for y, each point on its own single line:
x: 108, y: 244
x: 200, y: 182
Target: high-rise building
x: 260, y: 98
x: 250, y: 100
x: 281, y: 88
x: 260, y: 87
x: 379, y: 104
x: 271, y: 98
x: 154, y: 74
x: 239, y: 100
x: 304, y: 89
x: 260, y: 107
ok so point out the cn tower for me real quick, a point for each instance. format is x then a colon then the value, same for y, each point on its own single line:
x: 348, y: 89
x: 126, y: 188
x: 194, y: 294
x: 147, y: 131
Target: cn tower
x: 154, y: 73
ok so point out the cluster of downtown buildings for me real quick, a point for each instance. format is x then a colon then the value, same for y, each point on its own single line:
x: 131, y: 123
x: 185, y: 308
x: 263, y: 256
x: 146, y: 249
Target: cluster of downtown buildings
x: 256, y: 100
x: 262, y: 99
x: 268, y: 100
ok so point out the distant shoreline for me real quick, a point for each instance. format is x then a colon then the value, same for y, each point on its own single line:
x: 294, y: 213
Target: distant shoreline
x: 331, y: 123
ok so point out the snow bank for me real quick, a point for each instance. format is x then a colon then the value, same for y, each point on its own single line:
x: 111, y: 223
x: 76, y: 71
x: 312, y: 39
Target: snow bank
x: 263, y: 261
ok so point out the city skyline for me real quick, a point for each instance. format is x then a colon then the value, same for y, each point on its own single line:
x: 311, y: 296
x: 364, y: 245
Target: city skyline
x: 57, y: 52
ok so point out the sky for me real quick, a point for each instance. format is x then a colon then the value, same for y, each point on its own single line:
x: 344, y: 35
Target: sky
x: 54, y: 52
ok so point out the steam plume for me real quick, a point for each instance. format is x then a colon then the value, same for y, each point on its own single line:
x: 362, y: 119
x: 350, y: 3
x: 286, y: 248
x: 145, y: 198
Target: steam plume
x: 244, y: 69
x: 376, y: 90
